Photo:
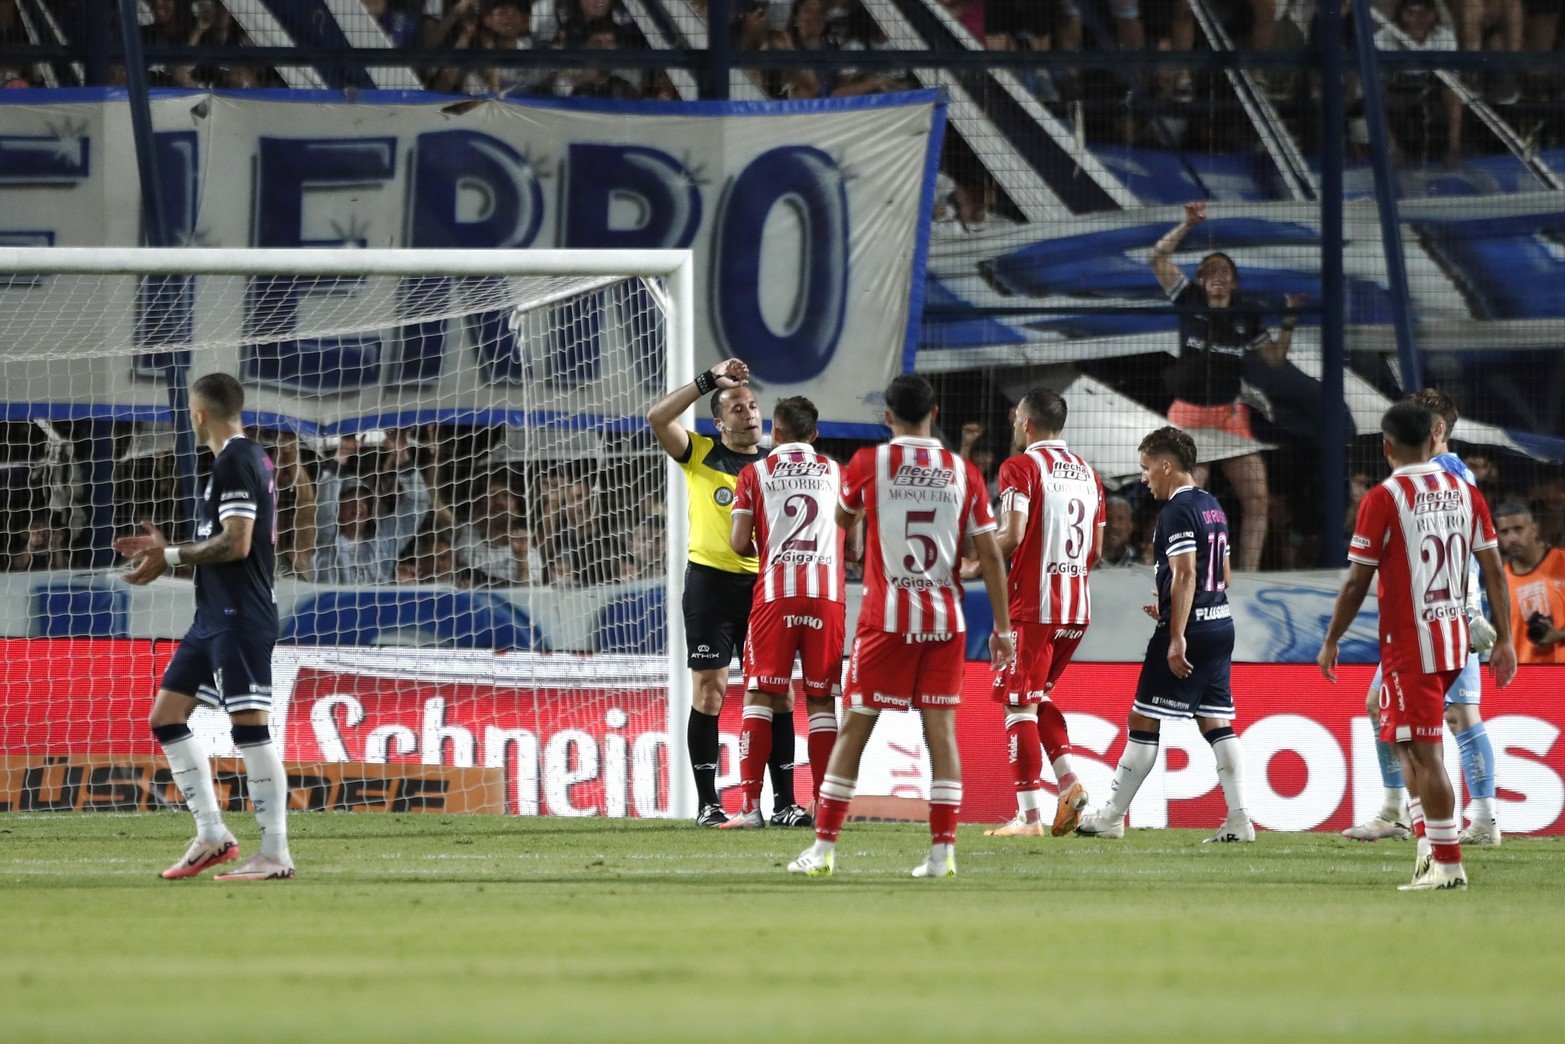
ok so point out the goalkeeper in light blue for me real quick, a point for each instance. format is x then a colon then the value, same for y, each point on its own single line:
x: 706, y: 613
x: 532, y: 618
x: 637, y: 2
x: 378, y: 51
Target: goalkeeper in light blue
x: 1461, y: 703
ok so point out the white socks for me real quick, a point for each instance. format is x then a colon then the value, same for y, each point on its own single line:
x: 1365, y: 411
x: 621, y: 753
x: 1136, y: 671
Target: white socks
x: 1395, y: 802
x: 1230, y: 768
x: 192, y: 773
x: 267, y: 782
x: 1134, y: 764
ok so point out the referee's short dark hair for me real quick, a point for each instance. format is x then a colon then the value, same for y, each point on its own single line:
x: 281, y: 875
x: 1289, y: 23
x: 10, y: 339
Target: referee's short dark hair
x: 224, y: 397
x: 910, y: 398
x: 1045, y: 408
x: 794, y: 417
x: 1408, y: 424
x: 1175, y: 443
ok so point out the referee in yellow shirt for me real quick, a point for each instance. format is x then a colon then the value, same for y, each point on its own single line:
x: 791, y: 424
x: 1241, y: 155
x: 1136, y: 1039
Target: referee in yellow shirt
x: 718, y: 582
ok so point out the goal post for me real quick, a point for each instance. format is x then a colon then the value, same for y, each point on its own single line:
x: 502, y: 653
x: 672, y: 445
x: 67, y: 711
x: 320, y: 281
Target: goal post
x: 538, y: 365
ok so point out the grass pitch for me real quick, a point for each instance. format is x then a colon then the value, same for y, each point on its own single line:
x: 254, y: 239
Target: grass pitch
x: 434, y: 928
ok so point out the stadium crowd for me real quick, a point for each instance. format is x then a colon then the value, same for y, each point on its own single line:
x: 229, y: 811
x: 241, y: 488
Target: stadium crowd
x: 828, y: 26
x: 438, y: 506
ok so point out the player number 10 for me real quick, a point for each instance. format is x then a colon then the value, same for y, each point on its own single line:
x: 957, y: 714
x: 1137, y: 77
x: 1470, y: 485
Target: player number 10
x: 1216, y: 551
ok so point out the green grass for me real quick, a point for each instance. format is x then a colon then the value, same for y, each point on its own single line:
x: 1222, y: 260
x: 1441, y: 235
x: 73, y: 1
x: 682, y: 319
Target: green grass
x: 440, y: 928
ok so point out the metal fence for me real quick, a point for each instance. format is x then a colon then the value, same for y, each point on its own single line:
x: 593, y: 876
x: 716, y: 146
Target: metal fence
x: 1381, y: 184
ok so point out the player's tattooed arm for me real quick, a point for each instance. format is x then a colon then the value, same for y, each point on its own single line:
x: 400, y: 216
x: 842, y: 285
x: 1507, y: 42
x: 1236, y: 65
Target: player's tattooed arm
x: 230, y: 544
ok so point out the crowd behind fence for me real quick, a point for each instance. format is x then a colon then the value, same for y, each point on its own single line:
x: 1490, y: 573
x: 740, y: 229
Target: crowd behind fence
x: 1071, y: 123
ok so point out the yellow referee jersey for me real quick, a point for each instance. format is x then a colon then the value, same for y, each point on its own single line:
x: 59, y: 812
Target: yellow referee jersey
x: 711, y: 473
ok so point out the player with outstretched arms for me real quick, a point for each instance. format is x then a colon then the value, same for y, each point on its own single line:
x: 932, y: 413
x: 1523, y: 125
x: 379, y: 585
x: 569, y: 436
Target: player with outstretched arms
x: 1461, y: 701
x: 1189, y: 660
x: 225, y: 660
x: 920, y: 503
x: 1418, y: 530
x: 784, y: 506
x: 1051, y: 532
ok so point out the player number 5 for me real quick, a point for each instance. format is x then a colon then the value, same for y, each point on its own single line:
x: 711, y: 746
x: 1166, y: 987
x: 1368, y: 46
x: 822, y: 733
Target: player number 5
x: 923, y: 541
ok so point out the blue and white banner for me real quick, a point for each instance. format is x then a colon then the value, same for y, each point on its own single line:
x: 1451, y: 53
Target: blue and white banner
x: 809, y: 221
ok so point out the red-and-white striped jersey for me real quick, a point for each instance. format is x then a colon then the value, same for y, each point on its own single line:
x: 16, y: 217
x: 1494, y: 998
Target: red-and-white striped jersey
x: 1062, y: 498
x: 920, y: 502
x: 793, y: 495
x: 1420, y: 528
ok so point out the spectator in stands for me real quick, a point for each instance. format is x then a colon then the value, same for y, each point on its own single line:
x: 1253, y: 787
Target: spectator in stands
x: 170, y: 27
x: 295, y: 510
x: 750, y: 28
x: 460, y: 29
x: 782, y: 84
x: 1118, y: 531
x: 1548, y: 496
x: 526, y: 563
x: 1261, y: 16
x: 970, y: 13
x: 400, y: 28
x: 430, y: 560
x: 508, y: 26
x: 1212, y: 346
x: 1493, y: 25
x: 213, y: 26
x: 645, y: 556
x: 1425, y: 117
x: 1486, y: 473
x: 582, y: 16
x: 1542, y: 34
x: 809, y: 30
x: 1535, y: 572
x: 484, y: 544
x: 570, y: 530
x: 597, y: 81
x: 363, y: 531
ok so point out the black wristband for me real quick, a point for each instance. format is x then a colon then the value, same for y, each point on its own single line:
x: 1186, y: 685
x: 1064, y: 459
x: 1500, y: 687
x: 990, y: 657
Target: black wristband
x: 706, y: 384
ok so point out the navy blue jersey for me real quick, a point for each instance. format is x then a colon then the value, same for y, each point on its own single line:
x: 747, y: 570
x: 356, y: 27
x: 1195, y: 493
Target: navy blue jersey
x: 1212, y: 346
x: 1193, y: 520
x: 239, y: 594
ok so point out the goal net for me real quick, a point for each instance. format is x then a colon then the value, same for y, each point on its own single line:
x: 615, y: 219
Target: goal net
x: 475, y: 527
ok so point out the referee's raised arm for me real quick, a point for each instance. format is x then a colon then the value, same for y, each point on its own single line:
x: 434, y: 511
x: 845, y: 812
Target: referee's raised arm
x: 665, y: 413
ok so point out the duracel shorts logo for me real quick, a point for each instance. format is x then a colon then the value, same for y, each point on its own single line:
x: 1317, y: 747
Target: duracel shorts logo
x: 724, y: 496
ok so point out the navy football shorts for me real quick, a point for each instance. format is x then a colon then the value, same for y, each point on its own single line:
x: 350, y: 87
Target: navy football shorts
x: 230, y: 670
x: 1207, y: 692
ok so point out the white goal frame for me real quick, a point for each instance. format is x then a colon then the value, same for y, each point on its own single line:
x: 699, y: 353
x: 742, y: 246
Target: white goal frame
x: 675, y: 267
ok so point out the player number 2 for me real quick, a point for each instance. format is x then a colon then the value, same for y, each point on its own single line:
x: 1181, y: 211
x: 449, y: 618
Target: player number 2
x: 804, y: 508
x: 1216, y: 551
x: 922, y: 541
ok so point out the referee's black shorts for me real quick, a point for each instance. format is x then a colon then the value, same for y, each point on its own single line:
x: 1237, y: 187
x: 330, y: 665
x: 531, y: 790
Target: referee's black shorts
x: 717, y: 614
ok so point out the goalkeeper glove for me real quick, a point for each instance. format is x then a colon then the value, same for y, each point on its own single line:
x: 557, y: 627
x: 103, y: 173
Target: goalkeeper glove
x: 1482, y: 633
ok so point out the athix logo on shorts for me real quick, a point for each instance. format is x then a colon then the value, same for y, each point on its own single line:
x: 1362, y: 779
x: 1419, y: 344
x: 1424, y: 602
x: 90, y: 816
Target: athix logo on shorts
x: 930, y: 478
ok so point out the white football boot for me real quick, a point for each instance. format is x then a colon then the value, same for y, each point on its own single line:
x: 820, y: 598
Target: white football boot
x: 942, y: 864
x: 812, y: 865
x: 1381, y: 828
x: 1237, y: 827
x: 1482, y: 833
x: 259, y: 868
x: 1101, y: 823
x: 1438, y: 877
